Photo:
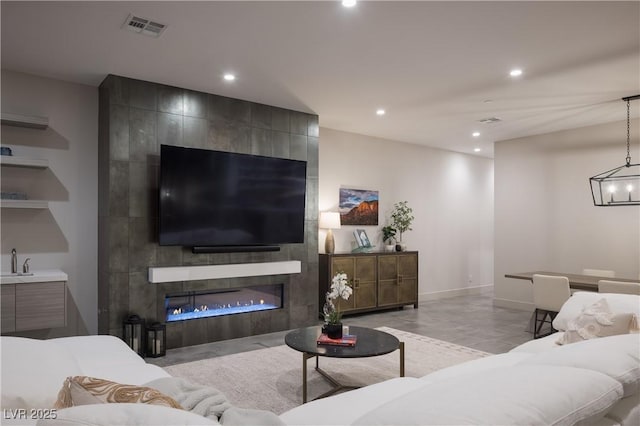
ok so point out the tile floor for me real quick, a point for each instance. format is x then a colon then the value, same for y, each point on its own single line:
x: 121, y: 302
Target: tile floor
x: 471, y: 321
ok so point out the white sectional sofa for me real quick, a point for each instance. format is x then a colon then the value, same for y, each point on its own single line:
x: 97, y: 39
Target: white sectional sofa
x: 538, y: 383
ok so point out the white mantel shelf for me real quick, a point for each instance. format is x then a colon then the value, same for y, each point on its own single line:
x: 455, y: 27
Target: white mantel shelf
x: 209, y: 272
x: 38, y: 276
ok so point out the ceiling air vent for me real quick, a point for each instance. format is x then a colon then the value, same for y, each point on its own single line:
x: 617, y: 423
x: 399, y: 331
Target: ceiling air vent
x: 490, y: 120
x: 144, y: 26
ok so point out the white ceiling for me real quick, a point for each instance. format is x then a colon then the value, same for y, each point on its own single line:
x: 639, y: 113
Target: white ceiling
x: 431, y: 65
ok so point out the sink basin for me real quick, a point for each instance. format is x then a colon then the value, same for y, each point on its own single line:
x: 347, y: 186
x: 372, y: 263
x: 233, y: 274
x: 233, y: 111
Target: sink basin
x: 16, y: 274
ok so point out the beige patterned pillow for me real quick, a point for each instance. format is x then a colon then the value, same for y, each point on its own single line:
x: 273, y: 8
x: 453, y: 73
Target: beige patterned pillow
x: 83, y: 390
x: 595, y: 321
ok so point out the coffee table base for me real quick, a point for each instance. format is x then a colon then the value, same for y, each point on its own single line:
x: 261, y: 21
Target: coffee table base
x: 337, y: 386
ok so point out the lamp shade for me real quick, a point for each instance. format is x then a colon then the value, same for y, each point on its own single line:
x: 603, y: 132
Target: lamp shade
x: 329, y: 220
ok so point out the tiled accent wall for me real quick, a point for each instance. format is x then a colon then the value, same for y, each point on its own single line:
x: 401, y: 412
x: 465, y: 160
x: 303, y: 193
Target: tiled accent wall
x: 136, y: 117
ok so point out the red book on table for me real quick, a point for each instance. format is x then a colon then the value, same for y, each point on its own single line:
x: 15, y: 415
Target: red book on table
x: 346, y: 340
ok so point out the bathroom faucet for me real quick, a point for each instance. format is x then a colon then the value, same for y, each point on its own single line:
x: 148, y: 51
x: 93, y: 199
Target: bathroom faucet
x: 14, y: 261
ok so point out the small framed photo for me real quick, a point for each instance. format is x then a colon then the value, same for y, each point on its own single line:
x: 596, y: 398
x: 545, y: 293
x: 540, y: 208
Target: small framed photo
x: 361, y: 238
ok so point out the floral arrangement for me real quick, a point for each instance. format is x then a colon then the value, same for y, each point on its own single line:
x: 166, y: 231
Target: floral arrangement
x: 339, y: 288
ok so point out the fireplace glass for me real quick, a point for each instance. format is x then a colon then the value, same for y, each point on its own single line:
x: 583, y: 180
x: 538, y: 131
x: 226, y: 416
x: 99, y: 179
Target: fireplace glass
x: 213, y: 303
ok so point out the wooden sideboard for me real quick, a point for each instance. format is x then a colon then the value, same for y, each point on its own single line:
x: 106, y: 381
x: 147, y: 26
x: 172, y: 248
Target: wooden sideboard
x: 379, y: 280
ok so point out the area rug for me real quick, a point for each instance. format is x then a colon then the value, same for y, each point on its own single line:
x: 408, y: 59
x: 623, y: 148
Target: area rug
x: 271, y: 379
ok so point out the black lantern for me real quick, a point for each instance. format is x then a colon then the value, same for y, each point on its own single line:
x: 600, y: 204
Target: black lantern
x: 133, y: 333
x: 156, y: 340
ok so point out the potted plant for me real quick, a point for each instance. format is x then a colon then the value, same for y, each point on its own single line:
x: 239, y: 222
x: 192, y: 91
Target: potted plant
x: 401, y: 219
x: 332, y: 316
x: 388, y: 234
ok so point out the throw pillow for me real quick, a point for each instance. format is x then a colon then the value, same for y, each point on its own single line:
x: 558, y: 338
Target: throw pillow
x: 619, y: 304
x: 596, y: 320
x: 83, y: 390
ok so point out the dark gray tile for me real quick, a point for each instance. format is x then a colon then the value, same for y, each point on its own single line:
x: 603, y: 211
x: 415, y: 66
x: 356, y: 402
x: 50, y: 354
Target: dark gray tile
x: 142, y: 128
x: 142, y: 244
x: 118, y: 244
x: 261, y: 116
x: 261, y: 142
x: 119, y: 132
x: 280, y: 119
x: 298, y: 123
x: 170, y: 130
x: 298, y: 148
x: 312, y: 156
x: 195, y: 132
x: 118, y: 90
x: 221, y: 107
x: 143, y: 190
x: 143, y: 94
x: 195, y: 104
x: 118, y: 188
x: 311, y: 211
x: 170, y: 99
x: 118, y: 298
x: 142, y: 296
x: 225, y: 135
x: 313, y: 129
x: 280, y: 143
x: 169, y: 255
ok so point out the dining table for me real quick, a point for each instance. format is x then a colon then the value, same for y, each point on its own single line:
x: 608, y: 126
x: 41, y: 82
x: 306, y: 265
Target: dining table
x: 576, y: 281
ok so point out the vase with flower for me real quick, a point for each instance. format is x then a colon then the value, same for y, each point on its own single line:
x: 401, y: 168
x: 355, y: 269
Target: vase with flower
x: 332, y: 315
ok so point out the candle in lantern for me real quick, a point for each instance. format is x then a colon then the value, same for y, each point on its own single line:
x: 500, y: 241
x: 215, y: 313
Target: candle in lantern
x: 156, y: 345
x: 135, y: 344
x: 612, y: 190
x: 629, y: 189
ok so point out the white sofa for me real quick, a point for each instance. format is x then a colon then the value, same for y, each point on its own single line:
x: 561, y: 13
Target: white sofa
x: 33, y: 372
x: 591, y: 382
x: 537, y: 383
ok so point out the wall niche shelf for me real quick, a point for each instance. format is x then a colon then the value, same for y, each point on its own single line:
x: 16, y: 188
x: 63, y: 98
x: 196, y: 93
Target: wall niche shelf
x: 30, y: 121
x: 24, y: 204
x: 32, y: 163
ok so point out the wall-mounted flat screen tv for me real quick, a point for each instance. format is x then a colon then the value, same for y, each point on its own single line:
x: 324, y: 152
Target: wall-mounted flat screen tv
x: 215, y: 198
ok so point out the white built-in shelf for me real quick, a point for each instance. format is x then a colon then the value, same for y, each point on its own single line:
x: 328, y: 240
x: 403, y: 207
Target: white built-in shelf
x: 24, y: 204
x: 30, y: 121
x: 36, y: 163
x: 209, y: 272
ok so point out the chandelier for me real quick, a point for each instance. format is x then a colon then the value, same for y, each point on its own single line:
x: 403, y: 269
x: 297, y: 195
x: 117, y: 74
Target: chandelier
x: 619, y: 186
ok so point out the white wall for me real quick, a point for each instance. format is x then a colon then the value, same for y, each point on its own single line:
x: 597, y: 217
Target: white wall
x: 544, y: 213
x: 64, y: 236
x: 451, y: 195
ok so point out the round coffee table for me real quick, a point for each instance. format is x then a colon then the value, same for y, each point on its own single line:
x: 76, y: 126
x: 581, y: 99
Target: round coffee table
x: 370, y: 343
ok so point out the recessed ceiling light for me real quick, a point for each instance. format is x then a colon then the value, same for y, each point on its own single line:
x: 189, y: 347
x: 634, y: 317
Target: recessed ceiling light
x: 475, y: 134
x: 381, y: 111
x: 229, y: 77
x: 477, y: 149
x: 349, y: 3
x: 516, y: 72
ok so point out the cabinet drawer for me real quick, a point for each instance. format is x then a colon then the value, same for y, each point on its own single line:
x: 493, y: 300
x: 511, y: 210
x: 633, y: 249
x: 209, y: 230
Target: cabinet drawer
x: 40, y: 305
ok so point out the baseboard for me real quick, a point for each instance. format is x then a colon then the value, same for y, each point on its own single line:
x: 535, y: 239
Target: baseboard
x: 513, y: 304
x: 445, y: 294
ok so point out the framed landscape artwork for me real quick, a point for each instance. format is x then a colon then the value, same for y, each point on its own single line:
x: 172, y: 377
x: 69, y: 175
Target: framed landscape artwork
x: 358, y: 207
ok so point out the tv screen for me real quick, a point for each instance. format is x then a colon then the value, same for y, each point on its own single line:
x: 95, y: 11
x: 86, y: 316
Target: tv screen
x: 215, y: 198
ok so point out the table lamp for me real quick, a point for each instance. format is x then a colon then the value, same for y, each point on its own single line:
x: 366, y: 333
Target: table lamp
x: 329, y: 220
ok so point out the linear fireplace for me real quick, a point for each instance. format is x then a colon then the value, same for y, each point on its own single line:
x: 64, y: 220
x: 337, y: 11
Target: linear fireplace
x: 213, y: 303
